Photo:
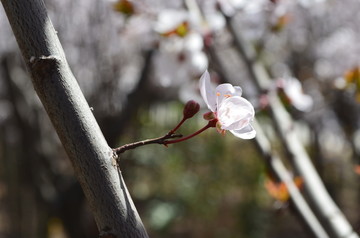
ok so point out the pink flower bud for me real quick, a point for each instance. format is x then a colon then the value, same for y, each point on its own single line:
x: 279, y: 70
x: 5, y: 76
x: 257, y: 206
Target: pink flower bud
x: 190, y: 109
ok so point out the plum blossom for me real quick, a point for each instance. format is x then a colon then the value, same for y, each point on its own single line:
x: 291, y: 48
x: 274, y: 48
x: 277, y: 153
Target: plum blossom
x: 172, y: 22
x: 295, y: 95
x: 229, y: 7
x: 180, y: 56
x: 233, y: 112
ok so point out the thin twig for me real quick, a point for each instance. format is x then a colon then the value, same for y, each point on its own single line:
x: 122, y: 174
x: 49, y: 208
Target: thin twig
x: 177, y: 127
x: 160, y: 140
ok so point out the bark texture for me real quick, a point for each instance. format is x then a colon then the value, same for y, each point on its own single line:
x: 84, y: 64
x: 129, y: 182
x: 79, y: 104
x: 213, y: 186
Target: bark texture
x: 92, y: 158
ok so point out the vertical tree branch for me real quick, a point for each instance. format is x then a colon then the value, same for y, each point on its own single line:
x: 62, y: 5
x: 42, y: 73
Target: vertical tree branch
x: 274, y: 164
x: 326, y: 209
x: 277, y: 166
x: 92, y: 158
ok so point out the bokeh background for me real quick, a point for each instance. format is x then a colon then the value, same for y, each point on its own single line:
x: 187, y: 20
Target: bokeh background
x: 138, y: 62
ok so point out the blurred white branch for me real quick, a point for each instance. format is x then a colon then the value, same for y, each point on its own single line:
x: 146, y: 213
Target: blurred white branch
x: 277, y: 166
x: 325, y: 208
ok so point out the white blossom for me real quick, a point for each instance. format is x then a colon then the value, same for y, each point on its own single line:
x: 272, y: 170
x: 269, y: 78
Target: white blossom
x: 294, y: 92
x: 233, y: 112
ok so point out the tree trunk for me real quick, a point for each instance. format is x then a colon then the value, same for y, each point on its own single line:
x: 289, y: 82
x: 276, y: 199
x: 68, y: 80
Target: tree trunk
x: 92, y: 158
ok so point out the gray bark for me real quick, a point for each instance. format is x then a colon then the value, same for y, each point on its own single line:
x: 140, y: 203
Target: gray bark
x: 93, y: 160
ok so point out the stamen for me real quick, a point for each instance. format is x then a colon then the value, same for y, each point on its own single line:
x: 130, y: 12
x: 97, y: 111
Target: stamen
x: 227, y: 95
x: 218, y: 94
x: 218, y: 128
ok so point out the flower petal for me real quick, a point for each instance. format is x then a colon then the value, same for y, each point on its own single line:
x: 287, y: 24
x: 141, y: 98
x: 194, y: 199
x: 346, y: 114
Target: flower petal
x: 234, y: 113
x: 207, y: 91
x: 294, y: 91
x: 222, y: 92
x: 238, y: 91
x: 247, y: 132
x: 228, y: 89
x: 169, y: 20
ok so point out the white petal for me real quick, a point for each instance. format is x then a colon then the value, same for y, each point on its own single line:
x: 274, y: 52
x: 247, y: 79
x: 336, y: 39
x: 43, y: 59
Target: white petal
x: 198, y: 62
x: 238, y: 91
x: 223, y: 91
x: 247, y: 132
x: 303, y: 103
x: 294, y: 91
x: 215, y: 21
x: 234, y: 113
x: 207, y: 91
x: 226, y: 90
x: 169, y: 20
x: 193, y: 42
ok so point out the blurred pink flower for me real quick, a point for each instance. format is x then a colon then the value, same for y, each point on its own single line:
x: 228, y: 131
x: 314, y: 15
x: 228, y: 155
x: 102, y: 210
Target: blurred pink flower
x: 233, y: 112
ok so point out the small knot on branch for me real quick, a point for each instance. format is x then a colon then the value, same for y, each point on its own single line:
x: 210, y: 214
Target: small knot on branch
x: 44, y: 66
x: 43, y: 60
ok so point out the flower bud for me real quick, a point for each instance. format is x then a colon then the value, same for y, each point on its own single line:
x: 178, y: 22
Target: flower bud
x: 190, y: 109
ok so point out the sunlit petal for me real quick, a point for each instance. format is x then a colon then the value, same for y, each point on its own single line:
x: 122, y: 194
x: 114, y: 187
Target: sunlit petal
x: 247, y: 132
x: 294, y: 91
x: 235, y: 113
x: 207, y: 91
x: 238, y: 91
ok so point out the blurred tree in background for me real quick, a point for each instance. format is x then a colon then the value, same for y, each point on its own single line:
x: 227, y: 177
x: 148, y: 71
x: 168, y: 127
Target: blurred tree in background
x: 138, y: 62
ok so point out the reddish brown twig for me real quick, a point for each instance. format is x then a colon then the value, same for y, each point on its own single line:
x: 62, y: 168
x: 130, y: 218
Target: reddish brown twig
x: 160, y: 140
